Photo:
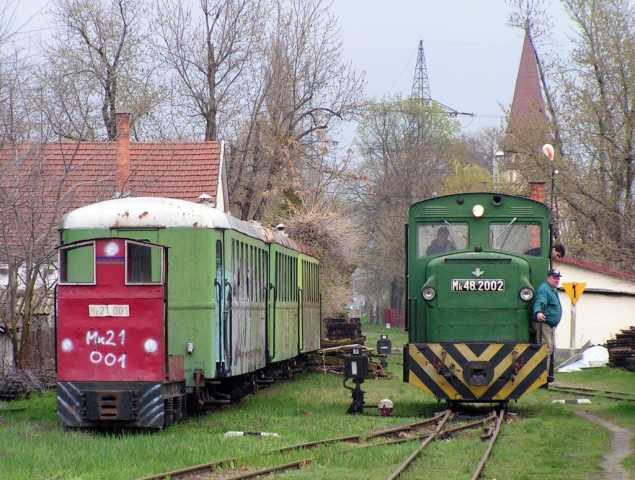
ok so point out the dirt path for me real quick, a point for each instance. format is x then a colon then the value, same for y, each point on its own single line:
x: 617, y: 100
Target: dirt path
x: 620, y: 447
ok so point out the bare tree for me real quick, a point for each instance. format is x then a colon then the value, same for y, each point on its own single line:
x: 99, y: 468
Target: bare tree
x: 307, y: 88
x: 591, y: 104
x: 598, y: 101
x: 208, y: 49
x: 37, y: 185
x: 96, y: 64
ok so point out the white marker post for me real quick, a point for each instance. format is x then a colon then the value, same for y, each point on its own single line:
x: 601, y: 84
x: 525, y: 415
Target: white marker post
x: 574, y: 291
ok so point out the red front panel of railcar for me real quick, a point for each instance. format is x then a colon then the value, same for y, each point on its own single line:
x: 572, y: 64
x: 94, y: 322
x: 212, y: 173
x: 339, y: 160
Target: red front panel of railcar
x: 111, y: 331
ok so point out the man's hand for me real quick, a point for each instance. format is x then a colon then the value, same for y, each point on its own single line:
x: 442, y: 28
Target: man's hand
x: 540, y: 317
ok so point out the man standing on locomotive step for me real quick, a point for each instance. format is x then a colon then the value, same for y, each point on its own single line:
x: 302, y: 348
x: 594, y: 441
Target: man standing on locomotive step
x: 547, y: 312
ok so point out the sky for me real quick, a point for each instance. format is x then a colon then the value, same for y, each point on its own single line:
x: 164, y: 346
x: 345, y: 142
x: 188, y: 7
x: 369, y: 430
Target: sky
x: 472, y: 54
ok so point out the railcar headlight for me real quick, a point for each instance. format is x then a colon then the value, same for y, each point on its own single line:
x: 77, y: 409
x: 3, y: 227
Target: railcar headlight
x: 478, y: 210
x: 428, y: 293
x: 526, y: 294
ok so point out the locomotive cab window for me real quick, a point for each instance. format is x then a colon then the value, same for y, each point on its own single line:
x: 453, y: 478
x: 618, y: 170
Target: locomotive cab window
x: 513, y: 237
x: 144, y: 264
x: 77, y: 264
x: 440, y: 238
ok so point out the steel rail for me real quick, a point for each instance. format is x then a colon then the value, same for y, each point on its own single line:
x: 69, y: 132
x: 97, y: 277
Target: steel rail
x: 446, y: 433
x: 208, y: 468
x: 364, y: 436
x: 412, y: 457
x: 201, y: 468
x: 269, y: 470
x: 490, y: 446
x: 409, y: 426
x: 592, y: 392
x: 211, y: 466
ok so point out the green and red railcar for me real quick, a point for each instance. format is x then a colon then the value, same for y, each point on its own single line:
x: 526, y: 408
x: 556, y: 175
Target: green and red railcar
x: 166, y: 306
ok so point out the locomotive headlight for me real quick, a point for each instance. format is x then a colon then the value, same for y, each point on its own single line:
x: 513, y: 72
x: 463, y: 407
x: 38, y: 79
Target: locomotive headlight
x: 428, y: 293
x: 526, y: 294
x: 478, y: 210
x: 67, y: 345
x: 150, y: 345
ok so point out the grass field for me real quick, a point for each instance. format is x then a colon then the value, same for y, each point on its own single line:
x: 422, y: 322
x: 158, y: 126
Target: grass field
x: 545, y: 441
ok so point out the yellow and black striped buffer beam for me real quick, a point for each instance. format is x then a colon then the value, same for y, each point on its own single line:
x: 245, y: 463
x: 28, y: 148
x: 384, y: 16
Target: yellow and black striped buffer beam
x: 477, y: 372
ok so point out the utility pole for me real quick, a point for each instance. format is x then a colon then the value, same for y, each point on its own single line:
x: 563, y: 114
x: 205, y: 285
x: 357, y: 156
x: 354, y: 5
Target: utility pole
x: 421, y: 87
x: 420, y: 82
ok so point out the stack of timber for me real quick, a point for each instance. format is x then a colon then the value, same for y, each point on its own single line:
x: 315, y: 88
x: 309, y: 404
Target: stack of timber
x: 622, y: 349
x: 342, y: 331
x: 19, y: 384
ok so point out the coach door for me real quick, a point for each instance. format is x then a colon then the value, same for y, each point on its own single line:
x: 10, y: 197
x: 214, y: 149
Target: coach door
x: 222, y: 297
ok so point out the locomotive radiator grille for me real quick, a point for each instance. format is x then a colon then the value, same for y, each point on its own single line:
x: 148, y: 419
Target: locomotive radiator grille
x: 108, y: 406
x: 476, y: 371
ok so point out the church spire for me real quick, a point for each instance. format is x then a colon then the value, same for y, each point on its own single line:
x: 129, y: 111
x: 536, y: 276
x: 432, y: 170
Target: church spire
x: 528, y: 106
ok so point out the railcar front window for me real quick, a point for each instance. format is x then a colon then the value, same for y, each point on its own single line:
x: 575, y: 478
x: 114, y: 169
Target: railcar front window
x: 77, y: 264
x: 440, y: 238
x: 143, y: 263
x: 523, y: 239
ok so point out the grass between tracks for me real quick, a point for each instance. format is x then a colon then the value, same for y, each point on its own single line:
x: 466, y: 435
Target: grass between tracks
x: 544, y: 442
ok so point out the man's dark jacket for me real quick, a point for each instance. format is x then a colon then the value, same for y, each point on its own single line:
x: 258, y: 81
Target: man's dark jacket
x: 547, y: 302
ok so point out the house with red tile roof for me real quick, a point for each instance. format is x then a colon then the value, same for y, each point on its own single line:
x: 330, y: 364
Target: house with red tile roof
x: 41, y: 182
x: 606, y: 306
x: 95, y: 171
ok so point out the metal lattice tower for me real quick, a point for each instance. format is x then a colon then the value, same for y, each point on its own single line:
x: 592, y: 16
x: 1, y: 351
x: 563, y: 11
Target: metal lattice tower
x: 420, y: 82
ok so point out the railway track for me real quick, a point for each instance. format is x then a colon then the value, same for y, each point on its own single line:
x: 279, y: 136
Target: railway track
x: 425, y: 431
x: 592, y: 392
x: 441, y: 431
x: 220, y: 468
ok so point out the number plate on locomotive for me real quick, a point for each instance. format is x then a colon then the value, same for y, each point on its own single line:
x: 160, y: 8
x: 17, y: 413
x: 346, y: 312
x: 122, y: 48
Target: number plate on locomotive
x: 480, y: 285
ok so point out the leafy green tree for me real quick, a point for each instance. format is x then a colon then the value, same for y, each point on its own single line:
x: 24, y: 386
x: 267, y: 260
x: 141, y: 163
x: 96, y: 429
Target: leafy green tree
x: 466, y: 178
x: 406, y: 149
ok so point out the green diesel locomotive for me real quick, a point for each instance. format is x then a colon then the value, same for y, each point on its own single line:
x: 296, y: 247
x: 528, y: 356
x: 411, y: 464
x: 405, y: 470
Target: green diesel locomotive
x: 473, y: 263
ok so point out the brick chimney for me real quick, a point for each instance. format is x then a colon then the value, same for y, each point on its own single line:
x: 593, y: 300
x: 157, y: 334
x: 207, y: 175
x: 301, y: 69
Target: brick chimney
x: 537, y: 191
x: 122, y: 153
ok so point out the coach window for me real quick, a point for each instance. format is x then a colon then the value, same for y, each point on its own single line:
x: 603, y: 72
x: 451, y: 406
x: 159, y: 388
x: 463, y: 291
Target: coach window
x: 278, y: 277
x: 256, y: 275
x: 243, y: 272
x: 265, y: 278
x: 77, y: 264
x: 295, y: 279
x: 143, y: 263
x: 440, y: 238
x: 285, y: 278
x: 521, y: 238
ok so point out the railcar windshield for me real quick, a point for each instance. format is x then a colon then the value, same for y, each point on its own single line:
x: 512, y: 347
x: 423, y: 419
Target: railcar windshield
x: 144, y: 263
x: 439, y: 238
x: 77, y: 264
x: 515, y: 237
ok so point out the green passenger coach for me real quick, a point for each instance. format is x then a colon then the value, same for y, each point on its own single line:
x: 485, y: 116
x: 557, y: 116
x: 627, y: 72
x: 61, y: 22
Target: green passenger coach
x: 474, y: 261
x: 242, y: 303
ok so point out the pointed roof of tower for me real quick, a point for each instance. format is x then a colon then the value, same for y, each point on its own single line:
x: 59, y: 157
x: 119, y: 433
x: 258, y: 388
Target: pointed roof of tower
x: 528, y: 105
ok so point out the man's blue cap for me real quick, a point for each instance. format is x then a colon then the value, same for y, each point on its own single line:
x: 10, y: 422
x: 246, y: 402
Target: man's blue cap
x: 554, y: 273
